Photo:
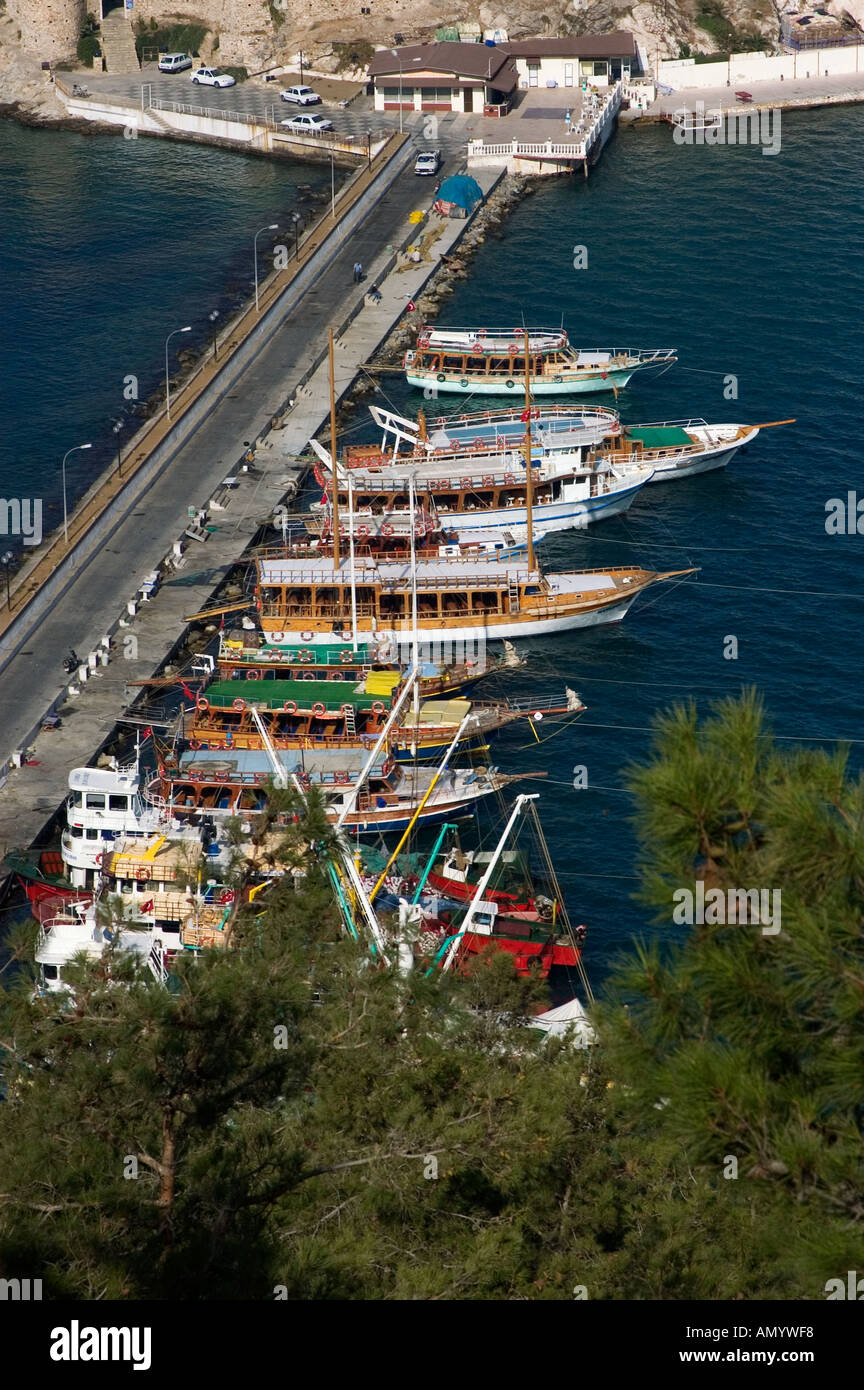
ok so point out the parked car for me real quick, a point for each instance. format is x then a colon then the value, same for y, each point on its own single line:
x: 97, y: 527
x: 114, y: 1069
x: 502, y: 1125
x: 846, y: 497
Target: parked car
x: 212, y: 77
x: 307, y: 125
x: 428, y: 162
x: 174, y: 62
x: 304, y: 96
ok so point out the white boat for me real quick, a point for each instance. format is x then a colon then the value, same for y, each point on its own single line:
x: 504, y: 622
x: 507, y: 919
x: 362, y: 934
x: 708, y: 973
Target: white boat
x: 491, y: 361
x: 78, y: 932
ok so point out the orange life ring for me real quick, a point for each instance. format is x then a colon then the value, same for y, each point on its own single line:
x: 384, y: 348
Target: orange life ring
x: 290, y: 707
x: 346, y: 635
x: 201, y: 703
x: 345, y: 657
x: 378, y: 707
x: 161, y: 769
x: 239, y: 705
x: 143, y: 875
x: 362, y: 530
x: 467, y: 483
x: 305, y: 656
x: 476, y: 347
x: 509, y: 479
x: 387, y: 529
x: 512, y: 350
x: 488, y: 482
x: 306, y: 636
x: 221, y: 776
x: 194, y: 744
x: 318, y: 709
x: 253, y: 675
x: 342, y: 779
x: 276, y: 636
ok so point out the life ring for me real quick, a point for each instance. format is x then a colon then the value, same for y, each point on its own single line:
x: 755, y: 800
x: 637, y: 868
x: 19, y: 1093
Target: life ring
x: 142, y: 875
x: 308, y: 676
x: 558, y: 380
x: 260, y: 778
x: 194, y: 745
x: 318, y: 709
x: 441, y: 376
x: 346, y: 635
x: 221, y: 776
x: 478, y: 443
x: 378, y: 707
x: 277, y: 636
x: 512, y: 350
x: 201, y: 703
x: 342, y: 779
x: 336, y: 676
x: 239, y: 705
x: 195, y: 776
x: 161, y: 769
x: 488, y: 482
x: 253, y: 675
x: 346, y: 709
x: 306, y: 636
x: 467, y: 484
x: 361, y: 531
x: 464, y: 383
x: 345, y: 657
x: 509, y: 480
x: 387, y: 529
x: 290, y: 707
x: 476, y: 347
x: 509, y: 383
x: 305, y: 656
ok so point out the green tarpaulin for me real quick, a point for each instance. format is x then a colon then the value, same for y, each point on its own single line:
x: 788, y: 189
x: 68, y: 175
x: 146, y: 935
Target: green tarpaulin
x: 659, y: 436
x: 274, y: 694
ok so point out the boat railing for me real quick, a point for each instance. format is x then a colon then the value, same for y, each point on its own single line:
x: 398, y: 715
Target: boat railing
x: 492, y: 417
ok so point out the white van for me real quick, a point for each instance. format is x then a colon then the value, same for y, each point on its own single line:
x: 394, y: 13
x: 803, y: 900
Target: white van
x: 174, y: 62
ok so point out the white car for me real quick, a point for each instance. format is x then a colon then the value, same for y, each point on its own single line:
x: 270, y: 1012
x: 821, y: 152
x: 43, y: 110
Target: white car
x: 212, y: 77
x: 304, y: 96
x: 174, y: 62
x: 307, y: 125
x: 428, y: 162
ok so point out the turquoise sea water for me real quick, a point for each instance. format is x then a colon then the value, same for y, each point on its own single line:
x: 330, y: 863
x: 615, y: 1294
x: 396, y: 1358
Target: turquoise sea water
x: 749, y: 265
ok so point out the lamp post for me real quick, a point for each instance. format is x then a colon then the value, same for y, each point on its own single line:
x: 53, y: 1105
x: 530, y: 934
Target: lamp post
x: 116, y: 429
x: 296, y: 219
x: 332, y: 186
x: 73, y: 450
x: 213, y: 317
x: 7, y: 562
x: 274, y: 227
x: 300, y: 56
x: 398, y: 56
x: 187, y: 329
x: 369, y: 148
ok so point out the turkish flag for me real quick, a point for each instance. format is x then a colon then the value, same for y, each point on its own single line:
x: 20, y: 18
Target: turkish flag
x: 411, y: 306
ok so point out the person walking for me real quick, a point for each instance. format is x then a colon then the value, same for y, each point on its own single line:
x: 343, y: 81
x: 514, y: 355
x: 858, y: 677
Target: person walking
x: 358, y: 272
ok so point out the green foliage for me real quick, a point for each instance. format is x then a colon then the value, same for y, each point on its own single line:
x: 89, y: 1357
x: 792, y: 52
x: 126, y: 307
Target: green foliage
x: 304, y: 1119
x: 239, y: 74
x: 277, y: 18
x: 174, y: 38
x: 88, y: 42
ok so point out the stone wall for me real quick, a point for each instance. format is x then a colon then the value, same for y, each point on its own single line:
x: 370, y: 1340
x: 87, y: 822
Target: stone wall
x: 246, y: 32
x: 49, y: 28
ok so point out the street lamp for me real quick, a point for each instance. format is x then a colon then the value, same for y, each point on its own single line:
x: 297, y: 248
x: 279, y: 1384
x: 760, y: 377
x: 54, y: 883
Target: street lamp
x: 398, y: 56
x: 332, y: 186
x: 296, y: 219
x: 116, y: 430
x: 73, y: 450
x: 187, y: 329
x: 274, y: 227
x: 300, y: 56
x: 213, y: 317
x: 7, y: 561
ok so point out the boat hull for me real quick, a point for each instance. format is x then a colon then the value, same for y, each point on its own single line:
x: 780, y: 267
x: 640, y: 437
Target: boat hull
x: 582, y: 385
x: 549, y: 516
x: 688, y: 466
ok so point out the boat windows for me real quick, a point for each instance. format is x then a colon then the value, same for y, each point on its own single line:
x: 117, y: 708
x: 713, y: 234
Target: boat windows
x: 76, y: 800
x: 93, y: 835
x: 95, y: 801
x: 51, y: 972
x: 76, y: 832
x: 118, y: 803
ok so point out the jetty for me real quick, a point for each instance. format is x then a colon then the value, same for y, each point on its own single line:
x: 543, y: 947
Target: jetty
x: 148, y: 548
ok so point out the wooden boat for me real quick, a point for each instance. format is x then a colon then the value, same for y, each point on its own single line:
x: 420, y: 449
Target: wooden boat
x: 333, y: 714
x: 228, y: 782
x: 482, y: 361
x: 467, y: 601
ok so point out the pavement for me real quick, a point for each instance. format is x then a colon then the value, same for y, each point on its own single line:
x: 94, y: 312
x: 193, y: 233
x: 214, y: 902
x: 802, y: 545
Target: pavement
x: 801, y: 91
x: 33, y: 678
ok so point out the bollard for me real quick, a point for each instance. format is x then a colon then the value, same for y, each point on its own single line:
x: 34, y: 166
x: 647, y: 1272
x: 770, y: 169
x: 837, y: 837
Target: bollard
x: 178, y: 549
x: 131, y: 608
x: 104, y: 658
x: 92, y: 658
x: 83, y: 673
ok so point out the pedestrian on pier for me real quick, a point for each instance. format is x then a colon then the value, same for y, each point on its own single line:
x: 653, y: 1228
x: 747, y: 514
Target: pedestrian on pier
x: 358, y: 272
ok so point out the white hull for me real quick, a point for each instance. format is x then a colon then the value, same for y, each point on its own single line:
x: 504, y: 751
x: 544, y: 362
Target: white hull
x: 513, y: 386
x: 718, y: 452
x: 566, y: 515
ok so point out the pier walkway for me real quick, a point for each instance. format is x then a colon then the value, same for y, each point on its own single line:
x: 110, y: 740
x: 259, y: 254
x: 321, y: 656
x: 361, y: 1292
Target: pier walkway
x: 290, y: 363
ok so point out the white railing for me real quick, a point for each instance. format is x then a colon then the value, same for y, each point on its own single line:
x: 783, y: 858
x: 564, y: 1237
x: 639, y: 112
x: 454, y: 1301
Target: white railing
x: 553, y: 149
x: 324, y: 139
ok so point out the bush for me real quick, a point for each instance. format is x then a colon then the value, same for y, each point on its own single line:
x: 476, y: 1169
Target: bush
x: 353, y: 55
x: 239, y: 74
x: 174, y: 38
x: 88, y: 49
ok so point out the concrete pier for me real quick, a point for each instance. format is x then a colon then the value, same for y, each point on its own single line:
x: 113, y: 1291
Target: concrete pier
x: 289, y: 363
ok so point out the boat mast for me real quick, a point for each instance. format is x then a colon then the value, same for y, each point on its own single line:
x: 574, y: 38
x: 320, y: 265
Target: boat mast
x: 484, y: 882
x: 353, y: 575
x: 529, y: 486
x: 415, y: 637
x: 334, y: 473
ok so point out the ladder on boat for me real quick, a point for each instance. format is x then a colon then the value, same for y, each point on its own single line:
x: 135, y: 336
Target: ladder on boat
x: 513, y: 593
x: 350, y: 721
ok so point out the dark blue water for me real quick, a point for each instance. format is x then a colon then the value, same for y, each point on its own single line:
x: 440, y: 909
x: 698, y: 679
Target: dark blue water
x: 749, y: 265
x: 106, y: 246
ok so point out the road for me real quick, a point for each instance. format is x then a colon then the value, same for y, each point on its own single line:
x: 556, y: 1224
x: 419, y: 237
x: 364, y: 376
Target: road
x: 32, y: 679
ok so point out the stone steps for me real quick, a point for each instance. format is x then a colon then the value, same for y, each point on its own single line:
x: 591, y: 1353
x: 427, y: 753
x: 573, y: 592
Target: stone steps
x: 117, y: 41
